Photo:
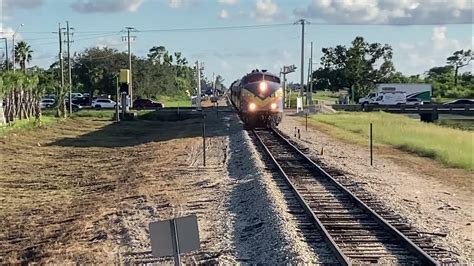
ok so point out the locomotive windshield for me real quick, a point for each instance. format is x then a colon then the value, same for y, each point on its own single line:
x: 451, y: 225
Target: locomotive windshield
x: 259, y: 77
x: 272, y: 78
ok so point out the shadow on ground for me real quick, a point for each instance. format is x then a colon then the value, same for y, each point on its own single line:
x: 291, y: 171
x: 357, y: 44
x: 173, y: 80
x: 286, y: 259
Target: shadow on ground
x: 155, y: 127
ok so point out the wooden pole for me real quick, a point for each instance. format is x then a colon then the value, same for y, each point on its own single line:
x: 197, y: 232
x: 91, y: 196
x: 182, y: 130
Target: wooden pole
x: 203, y: 141
x: 371, y: 147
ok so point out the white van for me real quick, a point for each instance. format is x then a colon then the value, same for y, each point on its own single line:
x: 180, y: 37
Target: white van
x: 390, y: 98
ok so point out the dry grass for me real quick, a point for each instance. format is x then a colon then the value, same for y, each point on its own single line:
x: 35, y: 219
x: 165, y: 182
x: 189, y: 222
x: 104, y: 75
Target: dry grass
x: 63, y: 188
x: 452, y: 147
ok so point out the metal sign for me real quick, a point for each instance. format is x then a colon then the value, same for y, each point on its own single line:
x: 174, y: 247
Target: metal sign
x: 288, y: 69
x: 175, y: 236
x: 124, y: 76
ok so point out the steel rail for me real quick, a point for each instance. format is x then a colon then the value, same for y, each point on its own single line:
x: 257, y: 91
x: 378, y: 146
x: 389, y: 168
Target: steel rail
x: 332, y: 244
x: 424, y: 257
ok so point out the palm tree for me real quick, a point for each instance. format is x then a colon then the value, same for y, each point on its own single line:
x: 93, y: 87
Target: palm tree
x: 168, y: 59
x: 156, y: 53
x: 23, y: 54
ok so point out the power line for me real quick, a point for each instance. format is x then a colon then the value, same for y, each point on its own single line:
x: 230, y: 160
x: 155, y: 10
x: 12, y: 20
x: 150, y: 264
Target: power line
x: 197, y: 29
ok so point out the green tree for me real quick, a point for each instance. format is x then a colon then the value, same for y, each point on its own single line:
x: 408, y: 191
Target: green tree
x: 156, y: 54
x: 459, y: 59
x: 23, y: 54
x: 355, y: 67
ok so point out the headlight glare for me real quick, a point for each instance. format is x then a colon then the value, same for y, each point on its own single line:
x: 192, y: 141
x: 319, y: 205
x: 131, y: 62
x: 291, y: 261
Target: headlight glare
x: 252, y: 107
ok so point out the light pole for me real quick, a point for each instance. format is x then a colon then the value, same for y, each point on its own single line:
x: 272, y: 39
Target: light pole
x: 13, y: 39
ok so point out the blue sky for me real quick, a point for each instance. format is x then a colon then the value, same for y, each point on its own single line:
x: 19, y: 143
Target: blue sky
x: 441, y: 27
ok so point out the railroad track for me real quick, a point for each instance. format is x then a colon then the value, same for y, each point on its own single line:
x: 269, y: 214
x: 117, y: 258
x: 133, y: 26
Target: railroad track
x: 355, y: 233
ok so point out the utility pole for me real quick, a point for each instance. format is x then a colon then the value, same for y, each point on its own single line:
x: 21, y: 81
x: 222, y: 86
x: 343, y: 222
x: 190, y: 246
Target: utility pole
x: 198, y: 73
x: 61, y: 66
x: 310, y: 95
x: 128, y: 39
x: 68, y: 42
x: 307, y: 82
x: 302, y: 22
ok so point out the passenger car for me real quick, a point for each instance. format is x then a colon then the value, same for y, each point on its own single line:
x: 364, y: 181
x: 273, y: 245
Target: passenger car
x: 462, y: 101
x: 47, y: 103
x: 413, y: 101
x: 103, y: 103
x: 147, y: 104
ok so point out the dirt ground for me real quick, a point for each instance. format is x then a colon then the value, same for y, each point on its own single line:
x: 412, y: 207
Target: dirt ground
x: 84, y: 191
x: 435, y: 199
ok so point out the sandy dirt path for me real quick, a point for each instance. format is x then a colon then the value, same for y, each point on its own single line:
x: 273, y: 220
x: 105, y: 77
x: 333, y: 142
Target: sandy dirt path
x: 435, y: 199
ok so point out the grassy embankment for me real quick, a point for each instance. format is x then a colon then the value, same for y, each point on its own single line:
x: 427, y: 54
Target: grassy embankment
x: 175, y: 101
x: 452, y: 147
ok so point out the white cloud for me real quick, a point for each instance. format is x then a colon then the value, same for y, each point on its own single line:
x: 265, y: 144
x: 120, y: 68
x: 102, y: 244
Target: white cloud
x: 439, y: 37
x: 224, y: 14
x: 180, y: 3
x: 7, y: 32
x: 112, y: 42
x: 25, y: 4
x: 106, y: 6
x: 389, y: 11
x: 265, y: 10
x: 228, y: 2
x: 414, y: 58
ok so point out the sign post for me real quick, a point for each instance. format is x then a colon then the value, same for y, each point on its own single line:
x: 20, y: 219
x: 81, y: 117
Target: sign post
x: 175, y: 236
x: 286, y: 70
x: 117, y: 96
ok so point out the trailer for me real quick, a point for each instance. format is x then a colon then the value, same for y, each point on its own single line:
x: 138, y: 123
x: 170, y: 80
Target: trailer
x: 421, y: 91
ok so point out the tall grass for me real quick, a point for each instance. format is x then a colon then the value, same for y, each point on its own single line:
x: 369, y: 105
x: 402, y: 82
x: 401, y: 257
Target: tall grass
x: 181, y: 101
x: 26, y: 124
x: 452, y: 147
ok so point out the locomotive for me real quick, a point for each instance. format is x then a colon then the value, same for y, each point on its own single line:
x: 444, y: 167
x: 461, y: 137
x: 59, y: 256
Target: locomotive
x: 258, y: 98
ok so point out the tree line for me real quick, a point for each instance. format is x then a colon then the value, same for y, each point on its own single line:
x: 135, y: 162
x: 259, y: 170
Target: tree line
x: 94, y: 70
x: 363, y: 64
x: 160, y: 73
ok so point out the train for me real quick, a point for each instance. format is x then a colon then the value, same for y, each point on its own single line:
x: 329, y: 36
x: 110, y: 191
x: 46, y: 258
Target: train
x: 258, y: 98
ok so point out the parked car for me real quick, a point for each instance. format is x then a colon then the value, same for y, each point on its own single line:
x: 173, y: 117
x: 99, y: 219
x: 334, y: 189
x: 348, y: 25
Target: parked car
x: 461, y: 101
x: 49, y: 97
x: 103, y: 103
x: 76, y: 95
x: 83, y: 101
x: 413, y: 101
x: 47, y: 103
x: 75, y: 107
x: 147, y: 104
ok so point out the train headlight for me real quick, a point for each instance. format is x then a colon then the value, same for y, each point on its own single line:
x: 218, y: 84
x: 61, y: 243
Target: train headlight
x: 252, y: 107
x: 273, y: 106
x: 263, y: 86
